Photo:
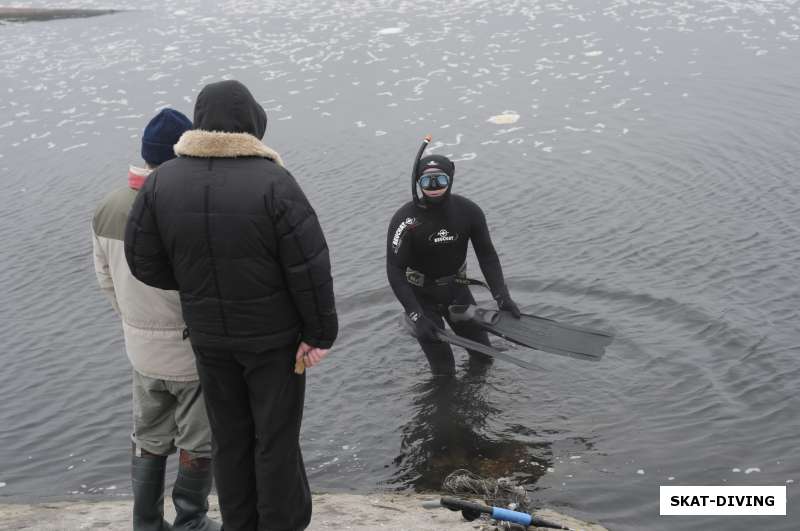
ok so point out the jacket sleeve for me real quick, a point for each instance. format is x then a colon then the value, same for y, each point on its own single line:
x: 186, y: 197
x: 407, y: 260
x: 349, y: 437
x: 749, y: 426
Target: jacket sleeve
x: 487, y: 256
x: 398, y: 252
x: 144, y: 250
x: 103, y: 271
x: 306, y: 265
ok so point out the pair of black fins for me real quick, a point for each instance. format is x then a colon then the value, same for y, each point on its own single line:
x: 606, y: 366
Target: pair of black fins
x: 529, y: 331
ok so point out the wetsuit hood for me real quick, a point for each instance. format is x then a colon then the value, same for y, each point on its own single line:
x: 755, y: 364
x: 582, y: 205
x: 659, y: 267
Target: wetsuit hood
x: 228, y: 107
x: 441, y: 164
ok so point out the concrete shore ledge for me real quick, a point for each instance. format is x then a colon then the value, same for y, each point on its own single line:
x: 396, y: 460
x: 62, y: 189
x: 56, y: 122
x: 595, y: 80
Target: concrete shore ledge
x: 27, y: 14
x: 396, y: 512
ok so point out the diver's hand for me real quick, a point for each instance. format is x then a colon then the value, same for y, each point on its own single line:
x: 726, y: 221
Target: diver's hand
x: 424, y: 328
x: 505, y: 302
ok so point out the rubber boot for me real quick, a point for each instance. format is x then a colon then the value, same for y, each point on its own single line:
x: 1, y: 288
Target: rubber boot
x: 147, y: 477
x: 190, y: 494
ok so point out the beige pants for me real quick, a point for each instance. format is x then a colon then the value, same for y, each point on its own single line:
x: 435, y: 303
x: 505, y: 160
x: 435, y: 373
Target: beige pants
x: 169, y: 415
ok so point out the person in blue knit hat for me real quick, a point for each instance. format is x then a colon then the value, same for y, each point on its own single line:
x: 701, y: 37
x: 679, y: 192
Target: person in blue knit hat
x: 161, y: 134
x: 169, y: 409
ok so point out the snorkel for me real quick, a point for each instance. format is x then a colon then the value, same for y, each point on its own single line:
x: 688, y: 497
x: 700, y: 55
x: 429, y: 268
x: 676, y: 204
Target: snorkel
x: 414, y: 169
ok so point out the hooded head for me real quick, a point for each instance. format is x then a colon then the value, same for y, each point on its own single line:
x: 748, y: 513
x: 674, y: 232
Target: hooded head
x: 161, y: 134
x: 427, y: 169
x: 228, y: 107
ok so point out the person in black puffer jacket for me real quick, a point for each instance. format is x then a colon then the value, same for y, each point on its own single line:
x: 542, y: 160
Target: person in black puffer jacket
x: 228, y: 226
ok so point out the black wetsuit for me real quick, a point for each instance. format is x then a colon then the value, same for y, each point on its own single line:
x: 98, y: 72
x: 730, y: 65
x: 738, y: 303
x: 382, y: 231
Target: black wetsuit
x: 432, y: 240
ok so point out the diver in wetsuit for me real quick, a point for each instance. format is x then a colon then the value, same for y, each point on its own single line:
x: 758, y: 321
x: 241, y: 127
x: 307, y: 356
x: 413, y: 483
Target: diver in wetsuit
x: 426, y: 261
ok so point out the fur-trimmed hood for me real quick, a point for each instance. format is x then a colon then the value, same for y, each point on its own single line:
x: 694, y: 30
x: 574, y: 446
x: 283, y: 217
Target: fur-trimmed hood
x: 197, y: 143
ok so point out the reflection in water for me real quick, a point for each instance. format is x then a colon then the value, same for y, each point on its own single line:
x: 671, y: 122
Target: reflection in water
x: 451, y: 429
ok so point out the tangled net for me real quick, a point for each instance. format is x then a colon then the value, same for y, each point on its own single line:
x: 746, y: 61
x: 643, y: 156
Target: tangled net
x: 502, y: 492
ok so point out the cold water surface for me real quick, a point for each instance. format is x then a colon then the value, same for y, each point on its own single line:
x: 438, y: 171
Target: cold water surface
x: 637, y: 163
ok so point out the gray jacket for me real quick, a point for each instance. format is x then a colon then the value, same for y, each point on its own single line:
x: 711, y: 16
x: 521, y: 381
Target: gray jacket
x: 151, y: 317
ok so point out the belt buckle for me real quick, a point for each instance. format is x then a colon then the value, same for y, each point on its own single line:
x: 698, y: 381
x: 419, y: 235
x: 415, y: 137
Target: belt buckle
x: 415, y: 278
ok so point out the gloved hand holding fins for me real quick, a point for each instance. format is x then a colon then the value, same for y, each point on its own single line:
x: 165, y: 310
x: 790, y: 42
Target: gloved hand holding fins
x: 449, y: 337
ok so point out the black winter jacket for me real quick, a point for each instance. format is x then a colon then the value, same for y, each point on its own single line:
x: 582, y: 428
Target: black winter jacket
x: 229, y: 227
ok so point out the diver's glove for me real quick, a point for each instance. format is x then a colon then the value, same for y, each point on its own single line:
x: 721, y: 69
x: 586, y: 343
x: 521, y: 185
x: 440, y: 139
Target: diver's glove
x: 505, y: 302
x: 424, y: 329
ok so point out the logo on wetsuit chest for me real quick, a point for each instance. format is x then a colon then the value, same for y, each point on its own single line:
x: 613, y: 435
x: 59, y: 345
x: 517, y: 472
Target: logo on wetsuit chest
x: 443, y: 236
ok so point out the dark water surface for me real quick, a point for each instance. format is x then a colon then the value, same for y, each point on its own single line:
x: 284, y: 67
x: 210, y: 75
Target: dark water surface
x: 649, y: 185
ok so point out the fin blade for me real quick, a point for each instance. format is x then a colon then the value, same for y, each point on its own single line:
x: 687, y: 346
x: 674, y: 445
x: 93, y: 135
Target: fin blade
x: 539, y: 333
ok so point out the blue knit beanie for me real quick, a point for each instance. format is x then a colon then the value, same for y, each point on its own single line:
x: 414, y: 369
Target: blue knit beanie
x: 161, y: 134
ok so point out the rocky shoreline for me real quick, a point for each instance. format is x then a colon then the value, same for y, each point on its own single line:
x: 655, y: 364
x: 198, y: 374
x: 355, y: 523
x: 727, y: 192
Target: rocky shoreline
x: 27, y: 14
x: 355, y: 512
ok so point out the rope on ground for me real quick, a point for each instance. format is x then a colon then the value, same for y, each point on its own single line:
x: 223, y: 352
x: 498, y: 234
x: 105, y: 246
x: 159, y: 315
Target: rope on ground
x: 502, y: 492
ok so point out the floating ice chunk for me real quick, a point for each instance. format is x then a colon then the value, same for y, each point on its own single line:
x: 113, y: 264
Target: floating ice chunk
x: 76, y: 146
x: 390, y: 31
x: 180, y: 13
x: 112, y: 487
x: 345, y: 447
x: 640, y: 472
x: 507, y: 117
x: 671, y: 478
x: 380, y: 133
x: 360, y: 124
x: 3, y: 484
x: 789, y: 481
x: 593, y: 53
x: 736, y: 470
x: 752, y: 469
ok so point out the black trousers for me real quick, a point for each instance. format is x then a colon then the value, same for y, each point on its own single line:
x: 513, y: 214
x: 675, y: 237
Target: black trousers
x: 435, y: 301
x: 255, y: 407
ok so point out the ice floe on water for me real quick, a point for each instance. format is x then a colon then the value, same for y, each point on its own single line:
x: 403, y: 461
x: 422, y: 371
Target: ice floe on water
x: 505, y: 118
x: 2, y: 484
x: 752, y: 469
x: 76, y: 146
x: 390, y: 31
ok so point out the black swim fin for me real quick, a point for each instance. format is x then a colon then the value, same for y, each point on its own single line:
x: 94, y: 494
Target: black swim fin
x: 449, y: 337
x: 537, y: 332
